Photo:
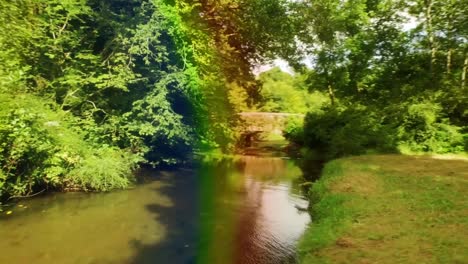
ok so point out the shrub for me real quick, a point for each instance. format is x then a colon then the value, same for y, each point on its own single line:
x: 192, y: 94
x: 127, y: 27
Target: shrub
x: 24, y: 147
x: 341, y: 131
x: 465, y: 139
x: 104, y: 170
x: 41, y: 149
x: 423, y: 128
x: 356, y: 129
x: 294, y: 130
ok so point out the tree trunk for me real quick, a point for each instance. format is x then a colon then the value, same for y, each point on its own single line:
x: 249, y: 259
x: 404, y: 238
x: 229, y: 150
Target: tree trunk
x: 331, y: 94
x: 449, y: 61
x: 449, y: 43
x: 430, y: 32
x: 465, y: 69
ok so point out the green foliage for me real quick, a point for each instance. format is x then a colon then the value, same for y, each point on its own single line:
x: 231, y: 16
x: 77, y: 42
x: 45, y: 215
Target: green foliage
x: 158, y: 125
x: 40, y: 149
x: 423, y: 129
x: 353, y: 130
x: 341, y: 131
x: 116, y: 80
x: 282, y: 92
x: 161, y: 78
x: 103, y: 170
x: 294, y: 130
x: 390, y: 88
x: 25, y: 146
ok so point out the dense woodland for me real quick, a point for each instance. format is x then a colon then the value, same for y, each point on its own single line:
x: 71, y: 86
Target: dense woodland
x: 395, y: 73
x: 90, y: 89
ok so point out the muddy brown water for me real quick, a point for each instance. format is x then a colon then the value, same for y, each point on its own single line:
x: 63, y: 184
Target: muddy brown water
x: 239, y: 212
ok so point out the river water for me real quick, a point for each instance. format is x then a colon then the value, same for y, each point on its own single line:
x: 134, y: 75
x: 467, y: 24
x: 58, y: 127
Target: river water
x: 225, y: 212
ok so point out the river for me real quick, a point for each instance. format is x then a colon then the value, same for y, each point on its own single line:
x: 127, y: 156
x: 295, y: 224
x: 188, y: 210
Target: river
x: 242, y: 211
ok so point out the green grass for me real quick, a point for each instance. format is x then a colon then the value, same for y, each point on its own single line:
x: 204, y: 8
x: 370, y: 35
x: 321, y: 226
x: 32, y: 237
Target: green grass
x: 389, y: 209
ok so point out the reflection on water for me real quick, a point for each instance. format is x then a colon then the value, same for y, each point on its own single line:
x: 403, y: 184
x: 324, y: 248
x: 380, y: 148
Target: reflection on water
x: 81, y: 228
x: 255, y: 215
x: 224, y: 212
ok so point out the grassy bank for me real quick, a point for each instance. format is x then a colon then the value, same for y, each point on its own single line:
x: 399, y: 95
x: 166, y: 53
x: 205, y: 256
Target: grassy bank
x: 389, y: 209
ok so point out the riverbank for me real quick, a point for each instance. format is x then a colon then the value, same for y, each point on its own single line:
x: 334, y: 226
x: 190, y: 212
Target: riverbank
x: 389, y: 209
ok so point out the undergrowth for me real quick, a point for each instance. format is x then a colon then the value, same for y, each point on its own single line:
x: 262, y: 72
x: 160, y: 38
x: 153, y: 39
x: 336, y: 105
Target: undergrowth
x: 42, y: 147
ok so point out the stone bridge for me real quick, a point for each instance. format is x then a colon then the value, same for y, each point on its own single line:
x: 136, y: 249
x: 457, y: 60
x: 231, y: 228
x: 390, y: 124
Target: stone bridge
x: 265, y: 122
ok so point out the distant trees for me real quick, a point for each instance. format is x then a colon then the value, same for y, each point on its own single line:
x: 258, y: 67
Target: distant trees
x: 282, y: 92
